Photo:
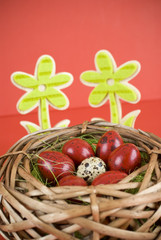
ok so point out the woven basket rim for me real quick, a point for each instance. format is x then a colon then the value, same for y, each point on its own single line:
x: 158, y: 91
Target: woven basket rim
x: 83, y: 126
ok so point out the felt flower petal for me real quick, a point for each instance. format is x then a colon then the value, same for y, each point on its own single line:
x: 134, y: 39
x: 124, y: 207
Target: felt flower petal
x: 92, y: 78
x: 23, y: 80
x: 61, y: 80
x: 127, y: 92
x: 45, y: 68
x: 97, y: 119
x: 28, y: 102
x: 62, y: 124
x: 104, y: 61
x: 99, y: 94
x: 30, y: 127
x: 126, y: 71
x: 130, y: 118
x: 58, y: 100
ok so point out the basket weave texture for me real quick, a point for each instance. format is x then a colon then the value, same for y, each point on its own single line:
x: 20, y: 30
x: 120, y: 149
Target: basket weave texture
x: 127, y: 210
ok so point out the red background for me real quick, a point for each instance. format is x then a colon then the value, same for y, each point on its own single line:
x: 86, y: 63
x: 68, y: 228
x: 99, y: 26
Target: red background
x: 72, y: 32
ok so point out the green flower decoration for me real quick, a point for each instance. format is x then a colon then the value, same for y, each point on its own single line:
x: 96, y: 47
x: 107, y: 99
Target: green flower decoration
x: 112, y: 83
x: 42, y: 90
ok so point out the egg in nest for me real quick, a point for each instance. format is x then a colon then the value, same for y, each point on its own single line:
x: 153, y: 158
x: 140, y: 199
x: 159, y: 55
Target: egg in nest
x: 90, y: 168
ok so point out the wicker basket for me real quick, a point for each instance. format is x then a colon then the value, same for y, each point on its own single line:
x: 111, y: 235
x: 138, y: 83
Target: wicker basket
x: 130, y: 209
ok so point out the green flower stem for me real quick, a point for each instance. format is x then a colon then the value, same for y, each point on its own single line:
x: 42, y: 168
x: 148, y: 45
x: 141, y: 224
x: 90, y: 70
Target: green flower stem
x: 113, y: 108
x: 44, y: 120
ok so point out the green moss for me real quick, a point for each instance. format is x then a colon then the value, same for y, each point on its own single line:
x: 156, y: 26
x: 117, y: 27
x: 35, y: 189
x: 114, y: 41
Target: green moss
x: 78, y: 235
x: 144, y: 156
x: 139, y: 178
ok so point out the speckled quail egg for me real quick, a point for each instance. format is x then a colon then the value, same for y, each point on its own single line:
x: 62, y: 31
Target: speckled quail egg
x: 90, y: 168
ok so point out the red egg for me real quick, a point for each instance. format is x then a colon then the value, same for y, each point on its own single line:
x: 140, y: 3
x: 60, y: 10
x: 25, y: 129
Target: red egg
x: 78, y: 150
x: 109, y: 177
x: 108, y: 143
x: 55, y: 165
x: 72, y: 180
x: 124, y: 158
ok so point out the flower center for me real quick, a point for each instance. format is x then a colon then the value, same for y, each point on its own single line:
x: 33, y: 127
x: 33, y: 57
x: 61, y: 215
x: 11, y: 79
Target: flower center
x: 110, y: 82
x: 42, y: 88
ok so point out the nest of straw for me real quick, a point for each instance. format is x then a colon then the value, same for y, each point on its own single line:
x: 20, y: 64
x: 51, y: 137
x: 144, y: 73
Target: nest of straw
x: 130, y: 209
